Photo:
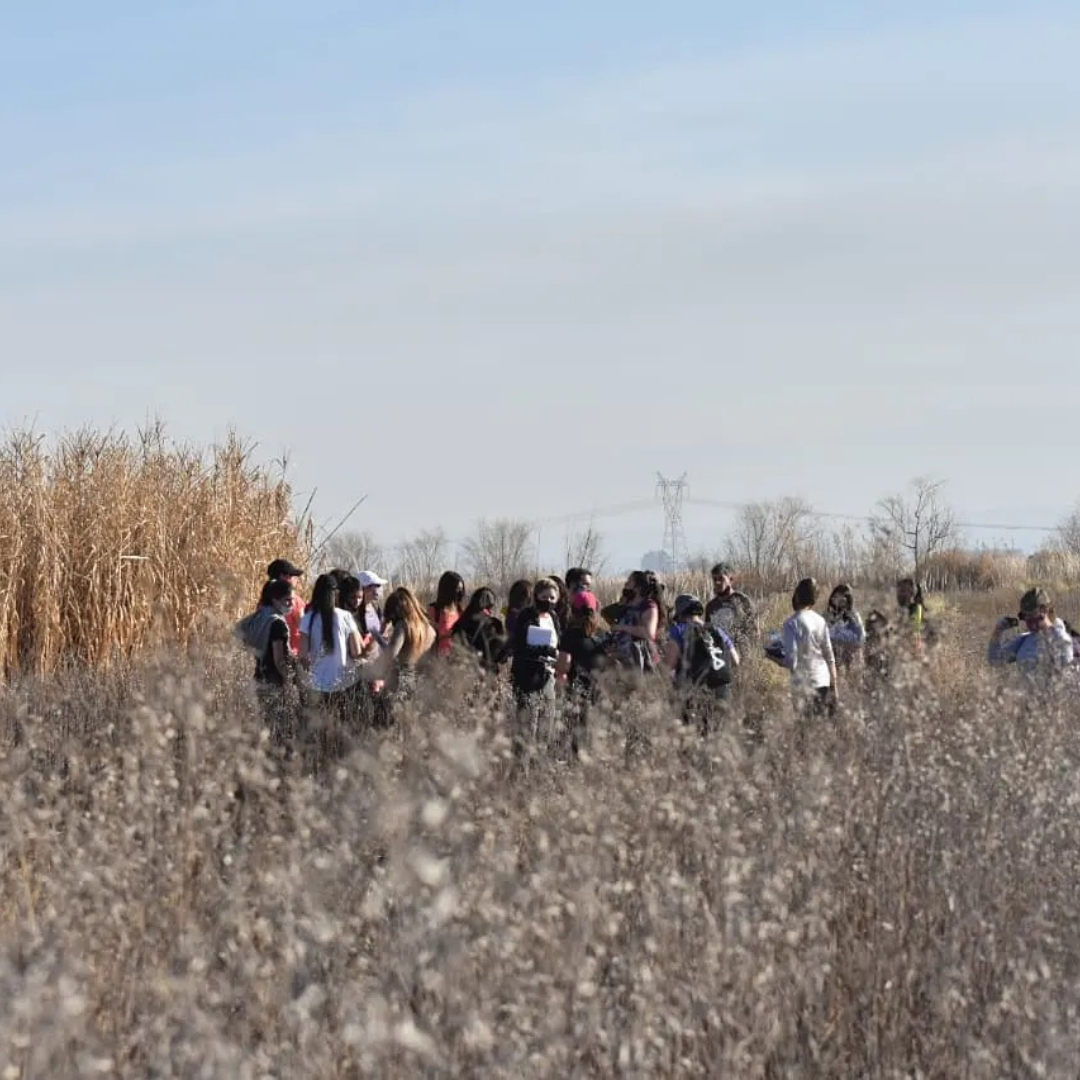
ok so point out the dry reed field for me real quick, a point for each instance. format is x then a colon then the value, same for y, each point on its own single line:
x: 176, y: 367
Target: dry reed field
x: 111, y: 543
x: 897, y: 901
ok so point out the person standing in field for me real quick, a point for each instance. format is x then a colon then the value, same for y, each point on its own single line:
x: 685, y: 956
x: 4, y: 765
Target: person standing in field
x: 910, y: 627
x: 702, y: 660
x: 290, y: 573
x: 808, y: 655
x: 731, y: 610
x: 275, y: 663
x: 446, y: 610
x: 370, y: 615
x: 637, y: 632
x: 332, y: 652
x: 481, y: 631
x: 534, y: 651
x: 582, y: 657
x: 1043, y: 643
x: 410, y: 638
x: 846, y: 627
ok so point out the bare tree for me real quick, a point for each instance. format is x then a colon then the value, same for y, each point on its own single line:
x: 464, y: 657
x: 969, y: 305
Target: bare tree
x: 353, y: 550
x: 915, y: 526
x: 585, y: 549
x: 849, y: 554
x: 499, y: 552
x: 421, y: 559
x: 775, y: 542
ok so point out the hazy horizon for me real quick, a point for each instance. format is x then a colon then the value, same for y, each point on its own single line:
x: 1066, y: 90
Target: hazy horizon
x: 480, y: 263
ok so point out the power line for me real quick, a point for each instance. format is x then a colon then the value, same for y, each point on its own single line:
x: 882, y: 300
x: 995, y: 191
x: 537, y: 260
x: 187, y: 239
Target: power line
x: 615, y: 510
x: 674, y: 526
x: 633, y: 506
x: 866, y: 519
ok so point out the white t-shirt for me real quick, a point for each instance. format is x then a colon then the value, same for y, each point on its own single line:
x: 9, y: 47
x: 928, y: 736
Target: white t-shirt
x: 808, y: 650
x: 330, y: 670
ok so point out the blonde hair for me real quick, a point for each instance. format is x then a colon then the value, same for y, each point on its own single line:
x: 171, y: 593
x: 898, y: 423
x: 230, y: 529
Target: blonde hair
x: 404, y: 611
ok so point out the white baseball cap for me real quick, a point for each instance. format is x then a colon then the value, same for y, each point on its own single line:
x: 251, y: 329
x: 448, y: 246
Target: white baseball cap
x: 368, y: 578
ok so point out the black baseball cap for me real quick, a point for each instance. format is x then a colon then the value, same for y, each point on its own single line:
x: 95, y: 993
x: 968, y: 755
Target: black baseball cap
x: 280, y: 568
x: 686, y: 604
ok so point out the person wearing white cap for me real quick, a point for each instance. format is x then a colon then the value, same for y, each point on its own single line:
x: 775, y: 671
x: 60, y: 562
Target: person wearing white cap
x: 370, y: 614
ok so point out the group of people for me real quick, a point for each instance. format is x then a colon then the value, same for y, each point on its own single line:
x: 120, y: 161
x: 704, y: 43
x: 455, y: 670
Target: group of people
x: 347, y: 649
x: 357, y: 653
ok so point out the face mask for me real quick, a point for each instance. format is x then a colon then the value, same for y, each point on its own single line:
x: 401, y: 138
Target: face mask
x: 628, y: 596
x: 545, y: 605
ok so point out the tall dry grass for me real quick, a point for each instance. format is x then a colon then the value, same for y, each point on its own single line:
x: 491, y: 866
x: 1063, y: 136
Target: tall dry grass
x: 897, y: 901
x: 110, y: 543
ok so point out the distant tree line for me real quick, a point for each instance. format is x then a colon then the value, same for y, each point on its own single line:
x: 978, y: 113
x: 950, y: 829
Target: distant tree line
x: 772, y: 543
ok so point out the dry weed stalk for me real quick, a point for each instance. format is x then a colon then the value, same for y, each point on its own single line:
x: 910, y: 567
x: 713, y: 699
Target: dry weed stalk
x: 900, y: 901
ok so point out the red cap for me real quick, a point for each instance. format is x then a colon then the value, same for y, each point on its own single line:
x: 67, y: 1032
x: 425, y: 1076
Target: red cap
x: 584, y: 601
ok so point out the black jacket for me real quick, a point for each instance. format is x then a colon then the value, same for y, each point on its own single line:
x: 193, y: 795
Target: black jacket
x: 531, y: 667
x: 486, y: 635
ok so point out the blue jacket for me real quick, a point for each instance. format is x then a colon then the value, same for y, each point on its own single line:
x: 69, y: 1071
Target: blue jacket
x: 1051, y: 648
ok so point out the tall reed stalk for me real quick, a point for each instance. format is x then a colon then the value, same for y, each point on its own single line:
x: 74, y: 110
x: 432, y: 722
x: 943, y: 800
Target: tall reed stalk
x: 110, y: 542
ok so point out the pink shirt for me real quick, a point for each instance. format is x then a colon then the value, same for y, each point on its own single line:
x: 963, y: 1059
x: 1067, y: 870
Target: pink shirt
x: 443, y: 625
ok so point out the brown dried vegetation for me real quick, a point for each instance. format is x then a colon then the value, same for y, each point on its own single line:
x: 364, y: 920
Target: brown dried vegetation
x: 111, y: 543
x: 899, y: 901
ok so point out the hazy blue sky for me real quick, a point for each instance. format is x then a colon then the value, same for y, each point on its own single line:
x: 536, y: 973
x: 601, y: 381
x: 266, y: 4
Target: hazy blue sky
x: 790, y: 252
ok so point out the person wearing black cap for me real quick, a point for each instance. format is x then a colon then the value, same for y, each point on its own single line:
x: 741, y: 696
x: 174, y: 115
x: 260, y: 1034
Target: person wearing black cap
x: 284, y: 570
x: 701, y: 660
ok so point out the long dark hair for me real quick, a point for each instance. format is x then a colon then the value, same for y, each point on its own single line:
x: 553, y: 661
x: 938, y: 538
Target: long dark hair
x: 349, y: 590
x: 449, y: 593
x: 323, y: 602
x: 650, y: 588
x: 843, y: 592
x: 519, y: 596
x: 562, y: 605
x: 481, y: 600
x: 917, y: 593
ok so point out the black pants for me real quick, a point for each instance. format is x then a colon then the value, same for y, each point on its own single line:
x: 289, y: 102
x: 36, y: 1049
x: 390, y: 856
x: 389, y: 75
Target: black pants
x: 278, y: 716
x: 822, y: 704
x: 812, y: 710
x: 704, y: 707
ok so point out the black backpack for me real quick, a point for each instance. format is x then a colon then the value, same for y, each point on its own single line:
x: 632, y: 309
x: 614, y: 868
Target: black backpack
x: 705, y: 663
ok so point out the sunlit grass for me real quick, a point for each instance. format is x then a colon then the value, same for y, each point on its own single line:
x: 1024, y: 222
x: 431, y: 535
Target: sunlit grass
x: 898, y: 901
